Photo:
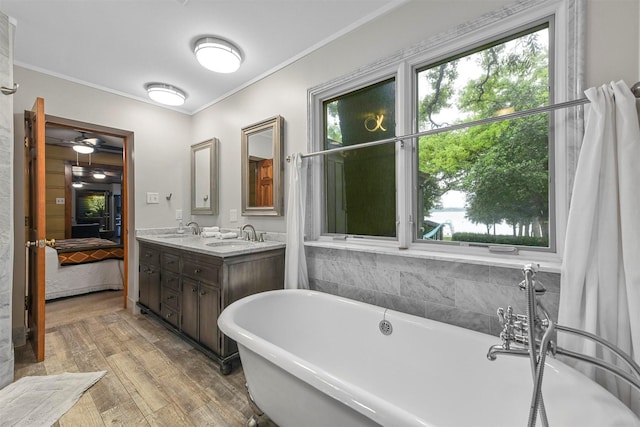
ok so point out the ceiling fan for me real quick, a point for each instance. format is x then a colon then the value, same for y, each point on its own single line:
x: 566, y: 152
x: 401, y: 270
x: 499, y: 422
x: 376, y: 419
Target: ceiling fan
x: 86, y: 145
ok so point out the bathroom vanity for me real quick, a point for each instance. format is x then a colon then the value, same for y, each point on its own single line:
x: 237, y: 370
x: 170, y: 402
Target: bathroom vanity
x: 186, y: 281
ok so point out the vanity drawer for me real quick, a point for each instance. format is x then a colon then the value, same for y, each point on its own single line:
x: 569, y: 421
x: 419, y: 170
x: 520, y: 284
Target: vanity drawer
x: 170, y: 299
x: 171, y: 262
x: 149, y: 255
x: 171, y: 281
x: 170, y: 315
x: 200, y: 270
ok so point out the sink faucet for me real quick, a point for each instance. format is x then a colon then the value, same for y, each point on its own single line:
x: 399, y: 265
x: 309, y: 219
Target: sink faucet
x: 195, y: 228
x: 253, y: 232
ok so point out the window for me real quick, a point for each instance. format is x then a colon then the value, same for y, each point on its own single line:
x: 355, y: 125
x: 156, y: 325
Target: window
x: 486, y: 184
x: 465, y: 187
x: 360, y: 184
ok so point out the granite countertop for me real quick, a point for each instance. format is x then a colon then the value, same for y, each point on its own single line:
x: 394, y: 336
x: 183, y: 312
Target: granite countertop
x: 223, y: 248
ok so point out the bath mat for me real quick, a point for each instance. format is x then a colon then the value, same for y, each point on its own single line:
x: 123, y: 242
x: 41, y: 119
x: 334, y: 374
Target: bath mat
x: 42, y: 400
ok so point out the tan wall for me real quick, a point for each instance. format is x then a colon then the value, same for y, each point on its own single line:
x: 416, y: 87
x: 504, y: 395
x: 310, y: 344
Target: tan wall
x: 56, y: 156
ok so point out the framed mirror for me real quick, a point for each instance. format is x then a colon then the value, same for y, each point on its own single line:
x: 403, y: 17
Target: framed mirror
x: 204, y: 178
x: 262, y: 168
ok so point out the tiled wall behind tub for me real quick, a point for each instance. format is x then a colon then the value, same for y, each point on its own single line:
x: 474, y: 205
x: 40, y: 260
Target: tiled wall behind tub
x: 458, y: 293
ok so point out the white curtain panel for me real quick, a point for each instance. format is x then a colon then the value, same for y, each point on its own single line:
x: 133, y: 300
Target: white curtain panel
x: 600, y: 284
x: 295, y: 264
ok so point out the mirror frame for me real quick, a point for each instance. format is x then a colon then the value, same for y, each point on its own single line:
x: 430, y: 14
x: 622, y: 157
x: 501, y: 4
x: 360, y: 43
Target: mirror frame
x: 212, y: 144
x: 277, y: 124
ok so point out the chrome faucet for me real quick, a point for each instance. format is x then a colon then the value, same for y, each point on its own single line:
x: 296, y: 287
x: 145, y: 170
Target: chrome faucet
x: 532, y: 336
x: 253, y: 232
x: 195, y: 229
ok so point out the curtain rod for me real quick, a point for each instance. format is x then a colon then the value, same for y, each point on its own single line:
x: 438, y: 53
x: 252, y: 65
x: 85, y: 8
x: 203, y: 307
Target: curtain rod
x: 635, y: 89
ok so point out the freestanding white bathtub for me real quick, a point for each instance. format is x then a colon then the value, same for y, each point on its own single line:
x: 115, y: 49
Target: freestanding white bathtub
x: 314, y: 359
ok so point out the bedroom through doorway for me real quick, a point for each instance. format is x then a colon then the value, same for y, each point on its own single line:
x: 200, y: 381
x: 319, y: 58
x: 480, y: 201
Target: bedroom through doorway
x: 86, y: 184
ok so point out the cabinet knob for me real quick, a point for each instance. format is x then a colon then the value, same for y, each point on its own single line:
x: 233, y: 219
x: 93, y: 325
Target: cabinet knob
x: 171, y: 297
x: 194, y: 289
x: 147, y: 255
x: 203, y: 293
x: 169, y: 315
x: 196, y: 271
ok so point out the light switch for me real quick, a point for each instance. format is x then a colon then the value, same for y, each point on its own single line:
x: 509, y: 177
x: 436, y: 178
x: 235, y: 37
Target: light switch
x: 153, y: 198
x: 178, y: 213
x: 233, y: 215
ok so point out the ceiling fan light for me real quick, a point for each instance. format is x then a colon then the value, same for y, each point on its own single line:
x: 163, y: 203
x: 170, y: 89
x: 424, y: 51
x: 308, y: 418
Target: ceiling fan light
x: 99, y: 175
x: 166, y: 94
x: 77, y: 184
x: 83, y: 149
x: 217, y: 55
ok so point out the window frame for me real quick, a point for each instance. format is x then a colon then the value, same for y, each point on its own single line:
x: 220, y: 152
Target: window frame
x: 566, y: 55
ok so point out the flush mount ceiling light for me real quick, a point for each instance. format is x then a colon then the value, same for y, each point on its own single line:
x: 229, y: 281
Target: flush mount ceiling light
x: 99, y: 175
x: 217, y: 55
x: 166, y: 94
x: 77, y: 184
x: 83, y: 149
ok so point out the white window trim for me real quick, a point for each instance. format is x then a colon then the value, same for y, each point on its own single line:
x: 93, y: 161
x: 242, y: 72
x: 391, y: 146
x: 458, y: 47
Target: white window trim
x: 568, y: 77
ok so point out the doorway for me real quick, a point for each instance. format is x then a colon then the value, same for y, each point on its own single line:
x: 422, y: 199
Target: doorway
x: 87, y: 193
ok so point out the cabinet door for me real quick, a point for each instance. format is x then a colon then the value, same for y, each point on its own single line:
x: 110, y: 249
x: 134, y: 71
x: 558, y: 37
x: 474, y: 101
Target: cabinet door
x: 149, y: 277
x: 149, y: 287
x: 154, y: 290
x: 143, y: 285
x: 208, y: 310
x: 189, y: 308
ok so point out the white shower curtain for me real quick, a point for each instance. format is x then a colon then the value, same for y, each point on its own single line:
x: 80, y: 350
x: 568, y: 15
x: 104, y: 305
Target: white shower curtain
x: 295, y: 264
x: 600, y: 283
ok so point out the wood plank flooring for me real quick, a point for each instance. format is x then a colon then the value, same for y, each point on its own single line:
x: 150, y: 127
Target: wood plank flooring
x: 154, y: 378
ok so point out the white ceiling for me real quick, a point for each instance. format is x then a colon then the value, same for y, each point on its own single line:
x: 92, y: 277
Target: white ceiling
x: 121, y: 45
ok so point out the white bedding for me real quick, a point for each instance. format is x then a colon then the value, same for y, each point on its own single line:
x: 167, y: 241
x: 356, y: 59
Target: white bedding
x: 68, y: 280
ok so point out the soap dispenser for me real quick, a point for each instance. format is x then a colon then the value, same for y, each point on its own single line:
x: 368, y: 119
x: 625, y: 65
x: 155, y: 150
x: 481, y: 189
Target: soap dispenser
x: 180, y: 228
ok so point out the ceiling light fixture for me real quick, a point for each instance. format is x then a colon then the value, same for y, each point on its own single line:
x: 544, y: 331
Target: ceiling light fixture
x: 83, y: 149
x: 217, y: 55
x: 99, y: 175
x: 166, y: 94
x: 77, y: 184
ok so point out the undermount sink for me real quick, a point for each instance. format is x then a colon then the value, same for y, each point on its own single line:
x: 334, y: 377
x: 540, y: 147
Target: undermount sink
x: 176, y: 236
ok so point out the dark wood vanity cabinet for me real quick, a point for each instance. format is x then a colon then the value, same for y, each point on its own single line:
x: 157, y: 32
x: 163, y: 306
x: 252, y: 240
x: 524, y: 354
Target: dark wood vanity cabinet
x: 189, y: 290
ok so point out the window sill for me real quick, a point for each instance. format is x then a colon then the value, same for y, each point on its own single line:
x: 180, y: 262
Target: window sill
x: 550, y: 263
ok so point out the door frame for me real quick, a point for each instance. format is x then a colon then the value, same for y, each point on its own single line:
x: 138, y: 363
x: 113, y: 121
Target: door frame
x: 127, y: 181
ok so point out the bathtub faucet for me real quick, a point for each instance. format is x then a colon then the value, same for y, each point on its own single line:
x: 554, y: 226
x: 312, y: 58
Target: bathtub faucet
x: 533, y: 336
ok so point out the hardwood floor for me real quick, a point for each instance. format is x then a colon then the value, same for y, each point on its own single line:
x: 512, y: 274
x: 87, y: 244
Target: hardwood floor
x: 154, y: 378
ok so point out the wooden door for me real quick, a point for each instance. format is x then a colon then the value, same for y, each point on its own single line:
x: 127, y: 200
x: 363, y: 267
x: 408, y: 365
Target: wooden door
x: 264, y: 183
x: 36, y: 220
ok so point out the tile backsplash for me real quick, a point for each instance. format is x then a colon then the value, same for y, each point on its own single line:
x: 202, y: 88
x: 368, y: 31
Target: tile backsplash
x: 454, y: 292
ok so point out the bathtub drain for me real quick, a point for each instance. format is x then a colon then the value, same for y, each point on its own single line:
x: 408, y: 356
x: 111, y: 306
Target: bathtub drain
x: 385, y: 325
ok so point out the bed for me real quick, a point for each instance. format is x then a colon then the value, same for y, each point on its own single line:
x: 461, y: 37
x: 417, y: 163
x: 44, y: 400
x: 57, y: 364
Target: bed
x: 83, y: 265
